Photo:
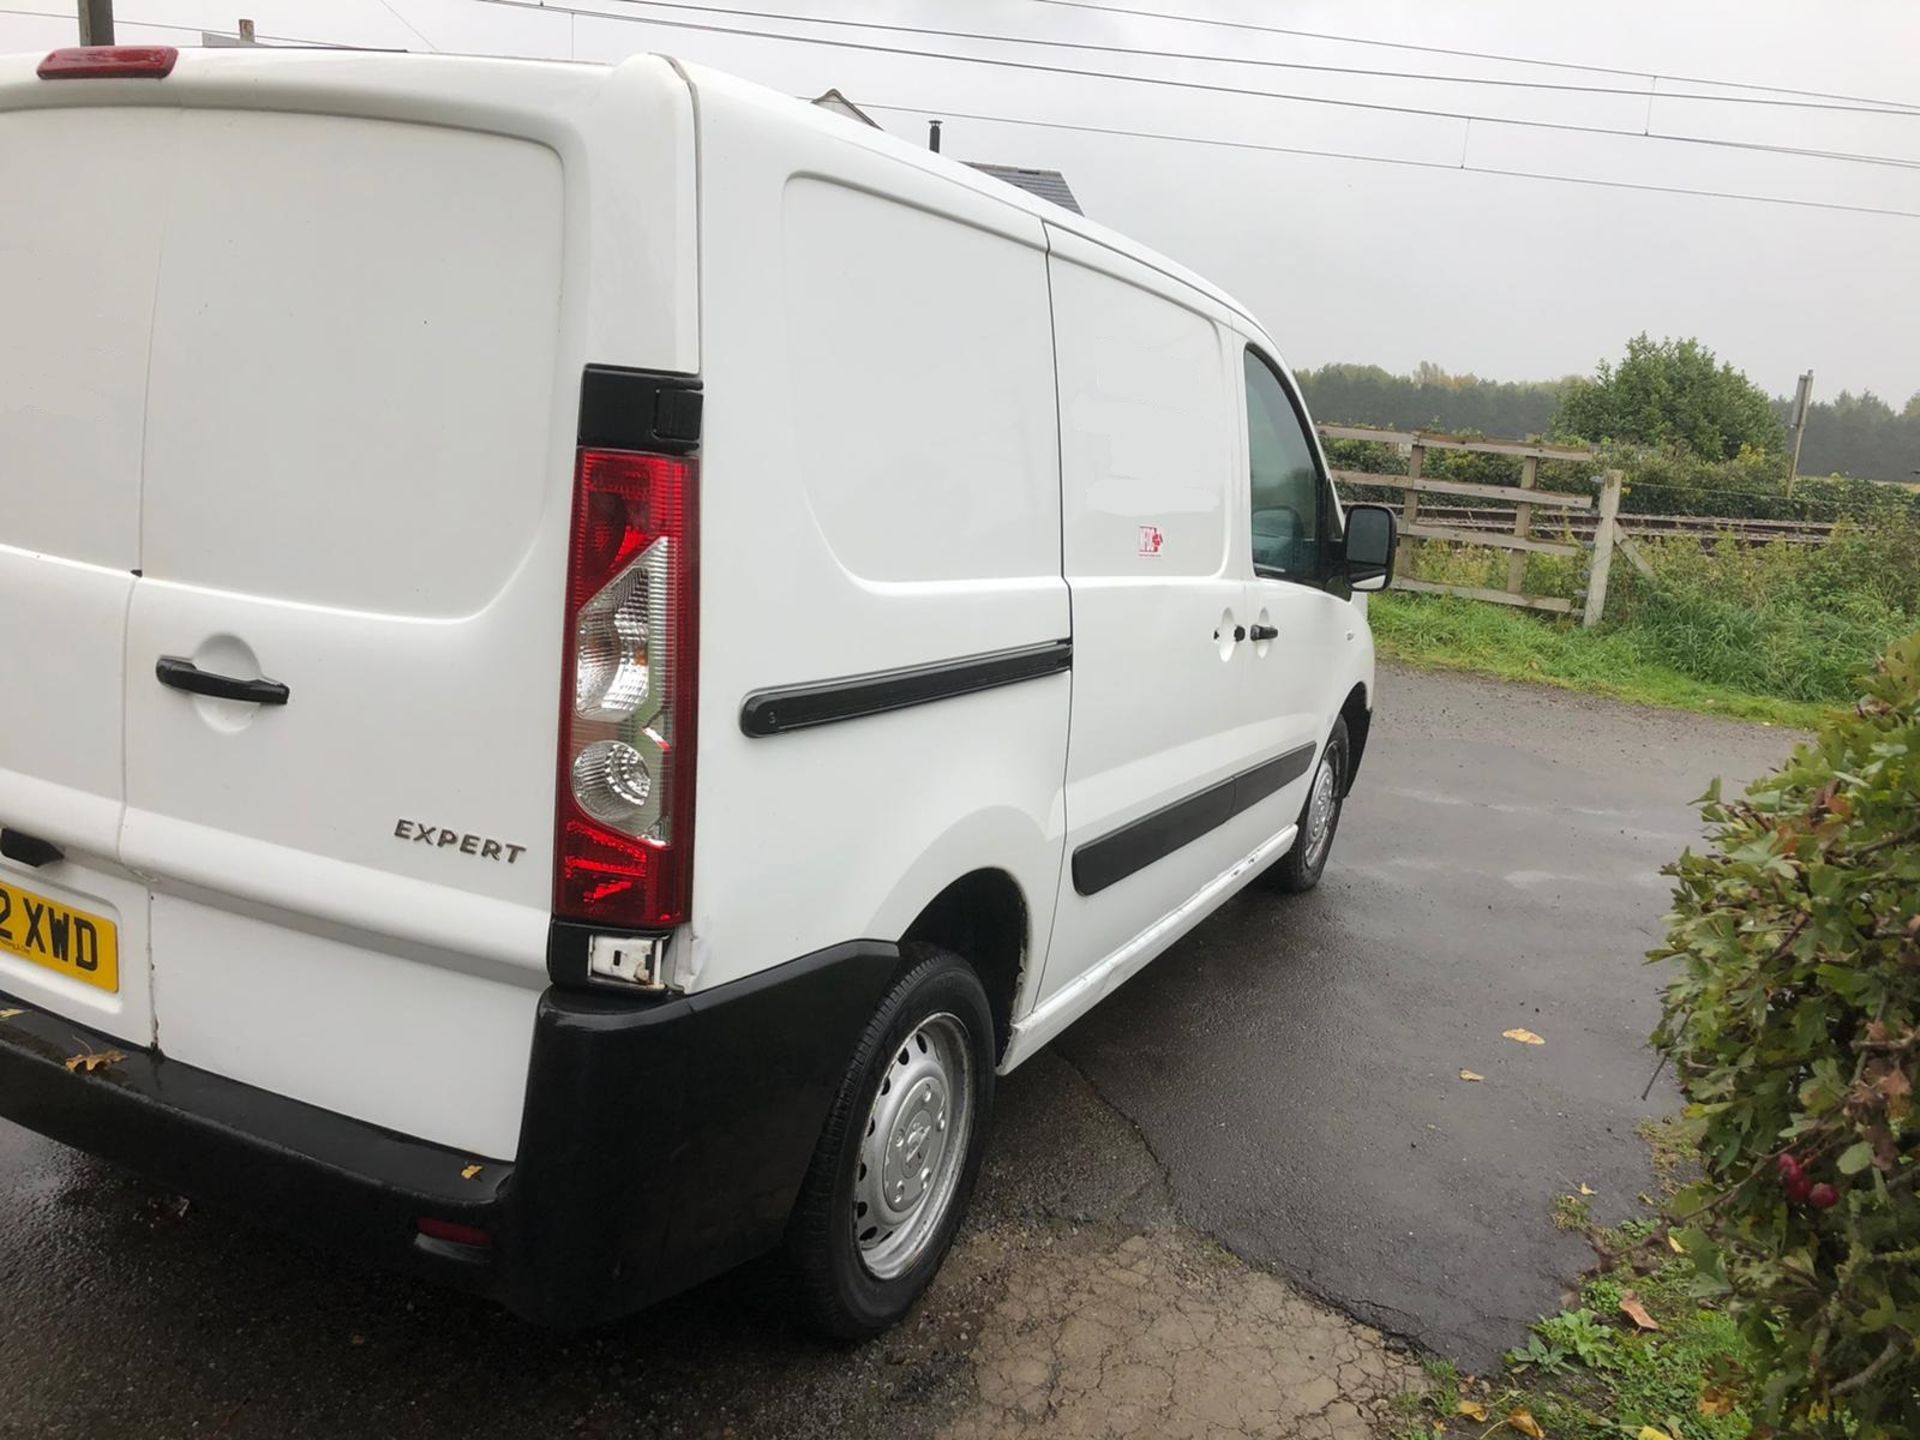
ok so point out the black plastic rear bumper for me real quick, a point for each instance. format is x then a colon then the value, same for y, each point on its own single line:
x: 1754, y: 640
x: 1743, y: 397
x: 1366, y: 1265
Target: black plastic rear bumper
x: 661, y: 1143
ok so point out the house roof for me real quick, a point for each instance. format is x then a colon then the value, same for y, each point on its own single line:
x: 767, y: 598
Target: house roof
x: 1047, y: 184
x: 833, y: 100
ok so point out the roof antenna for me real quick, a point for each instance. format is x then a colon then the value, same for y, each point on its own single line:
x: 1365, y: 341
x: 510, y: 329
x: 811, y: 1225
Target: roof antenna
x: 933, y: 136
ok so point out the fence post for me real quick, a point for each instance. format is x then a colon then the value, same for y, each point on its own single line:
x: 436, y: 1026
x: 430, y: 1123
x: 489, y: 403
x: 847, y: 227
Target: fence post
x: 1604, y: 534
x: 1522, y: 526
x: 1410, y: 509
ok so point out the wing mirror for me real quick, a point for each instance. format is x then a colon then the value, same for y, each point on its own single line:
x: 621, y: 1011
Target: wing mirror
x: 1373, y: 535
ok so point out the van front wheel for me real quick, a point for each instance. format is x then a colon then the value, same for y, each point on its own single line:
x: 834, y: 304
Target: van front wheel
x: 890, y: 1178
x: 1300, y: 868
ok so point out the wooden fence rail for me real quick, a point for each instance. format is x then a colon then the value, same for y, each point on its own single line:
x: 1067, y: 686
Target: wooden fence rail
x: 1477, y: 525
x: 1603, y: 507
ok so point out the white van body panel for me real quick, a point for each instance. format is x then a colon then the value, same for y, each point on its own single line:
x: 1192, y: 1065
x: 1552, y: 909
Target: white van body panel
x: 70, y: 436
x: 889, y: 363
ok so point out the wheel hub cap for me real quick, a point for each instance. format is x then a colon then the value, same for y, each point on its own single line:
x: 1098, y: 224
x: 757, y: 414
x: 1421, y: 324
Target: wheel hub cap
x: 914, y: 1147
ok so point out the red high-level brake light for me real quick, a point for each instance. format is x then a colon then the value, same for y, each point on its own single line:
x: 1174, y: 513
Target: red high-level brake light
x: 109, y: 62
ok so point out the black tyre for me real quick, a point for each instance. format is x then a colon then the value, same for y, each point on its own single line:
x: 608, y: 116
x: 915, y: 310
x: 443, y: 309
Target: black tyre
x: 1300, y: 868
x: 895, y: 1165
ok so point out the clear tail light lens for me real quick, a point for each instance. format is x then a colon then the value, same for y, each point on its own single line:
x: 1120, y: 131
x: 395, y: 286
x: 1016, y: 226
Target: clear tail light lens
x: 625, y: 835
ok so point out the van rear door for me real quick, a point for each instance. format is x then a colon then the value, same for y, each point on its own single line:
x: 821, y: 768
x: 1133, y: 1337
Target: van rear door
x: 350, y: 448
x: 81, y: 209
x: 288, y: 412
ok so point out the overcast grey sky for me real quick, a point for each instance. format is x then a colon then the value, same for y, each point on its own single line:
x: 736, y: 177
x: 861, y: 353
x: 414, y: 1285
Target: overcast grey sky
x: 1354, y: 259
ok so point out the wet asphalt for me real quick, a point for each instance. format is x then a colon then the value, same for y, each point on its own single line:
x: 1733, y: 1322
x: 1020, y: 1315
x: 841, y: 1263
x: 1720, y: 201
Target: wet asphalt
x: 1296, y: 1065
x: 1288, y: 1076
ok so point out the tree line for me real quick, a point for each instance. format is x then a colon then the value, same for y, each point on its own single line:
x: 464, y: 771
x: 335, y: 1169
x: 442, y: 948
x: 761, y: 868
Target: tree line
x: 1671, y: 395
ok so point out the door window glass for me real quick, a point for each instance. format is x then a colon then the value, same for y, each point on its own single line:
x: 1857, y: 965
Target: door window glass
x: 1288, y: 520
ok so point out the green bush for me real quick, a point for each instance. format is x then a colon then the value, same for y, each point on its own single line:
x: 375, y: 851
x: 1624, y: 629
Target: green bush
x: 1671, y: 393
x: 1794, y: 1028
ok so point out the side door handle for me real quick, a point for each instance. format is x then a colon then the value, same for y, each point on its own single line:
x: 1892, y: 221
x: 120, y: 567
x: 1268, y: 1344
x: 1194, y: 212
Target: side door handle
x: 178, y: 674
x: 1263, y: 632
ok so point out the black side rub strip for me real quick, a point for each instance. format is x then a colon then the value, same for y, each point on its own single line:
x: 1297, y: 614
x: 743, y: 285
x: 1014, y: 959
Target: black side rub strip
x: 800, y: 707
x: 1137, y: 844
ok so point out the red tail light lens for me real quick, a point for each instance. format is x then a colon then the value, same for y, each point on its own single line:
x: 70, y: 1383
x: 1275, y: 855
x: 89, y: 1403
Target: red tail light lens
x: 453, y: 1232
x: 624, y: 848
x: 109, y: 62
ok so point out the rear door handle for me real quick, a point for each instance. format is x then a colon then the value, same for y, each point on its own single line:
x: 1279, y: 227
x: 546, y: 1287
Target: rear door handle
x: 1263, y: 632
x: 179, y: 674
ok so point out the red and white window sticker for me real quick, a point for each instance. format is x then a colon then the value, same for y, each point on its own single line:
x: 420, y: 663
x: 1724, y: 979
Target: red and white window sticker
x: 1151, y: 541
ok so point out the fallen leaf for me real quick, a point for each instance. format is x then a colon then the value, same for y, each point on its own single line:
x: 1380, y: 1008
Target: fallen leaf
x: 1472, y: 1409
x: 1525, y: 1037
x: 1636, y: 1312
x: 1471, y: 1075
x: 94, y: 1060
x: 1674, y: 1245
x: 1523, y: 1421
x: 9, y: 1014
x: 470, y: 1172
x: 1648, y: 1432
x: 1586, y: 1189
x: 1715, y: 1402
x: 356, y: 1339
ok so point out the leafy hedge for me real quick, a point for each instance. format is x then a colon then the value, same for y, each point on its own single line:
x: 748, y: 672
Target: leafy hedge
x: 1794, y: 1027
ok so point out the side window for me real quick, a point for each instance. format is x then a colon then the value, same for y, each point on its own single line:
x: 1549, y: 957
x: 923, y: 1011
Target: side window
x: 1289, y: 527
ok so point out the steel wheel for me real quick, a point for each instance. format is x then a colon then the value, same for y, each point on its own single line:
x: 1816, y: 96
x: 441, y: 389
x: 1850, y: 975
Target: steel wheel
x: 1322, y: 805
x: 914, y: 1148
x: 898, y: 1154
x: 1299, y: 869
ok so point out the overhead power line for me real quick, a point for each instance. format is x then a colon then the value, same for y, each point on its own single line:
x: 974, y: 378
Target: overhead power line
x: 1390, y: 160
x: 1369, y: 72
x: 1206, y: 86
x: 126, y: 20
x: 1248, y: 25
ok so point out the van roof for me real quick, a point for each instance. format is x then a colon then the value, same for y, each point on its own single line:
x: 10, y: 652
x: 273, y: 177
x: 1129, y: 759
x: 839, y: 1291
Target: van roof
x: 248, y: 66
x: 966, y: 176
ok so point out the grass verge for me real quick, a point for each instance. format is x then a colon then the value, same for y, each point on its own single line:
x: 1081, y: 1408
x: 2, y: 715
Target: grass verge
x: 1445, y: 633
x: 1592, y: 1373
x: 1644, y: 1353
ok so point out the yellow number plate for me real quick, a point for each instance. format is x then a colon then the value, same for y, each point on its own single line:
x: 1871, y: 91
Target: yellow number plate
x: 71, y: 942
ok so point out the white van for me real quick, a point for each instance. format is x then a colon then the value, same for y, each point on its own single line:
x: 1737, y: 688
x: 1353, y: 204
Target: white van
x: 590, y: 652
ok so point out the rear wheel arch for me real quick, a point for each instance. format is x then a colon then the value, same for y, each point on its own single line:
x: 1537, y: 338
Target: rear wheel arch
x: 983, y: 918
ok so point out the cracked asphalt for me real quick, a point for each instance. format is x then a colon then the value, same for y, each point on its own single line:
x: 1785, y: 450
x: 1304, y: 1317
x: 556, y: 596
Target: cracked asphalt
x: 1188, y: 1197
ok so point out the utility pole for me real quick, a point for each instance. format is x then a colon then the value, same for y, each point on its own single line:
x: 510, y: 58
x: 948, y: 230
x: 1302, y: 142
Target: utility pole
x: 96, y: 22
x: 1802, y: 400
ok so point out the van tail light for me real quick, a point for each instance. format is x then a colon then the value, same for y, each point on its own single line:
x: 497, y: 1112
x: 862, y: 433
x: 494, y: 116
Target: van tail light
x: 453, y: 1232
x: 109, y: 62
x: 623, y: 851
